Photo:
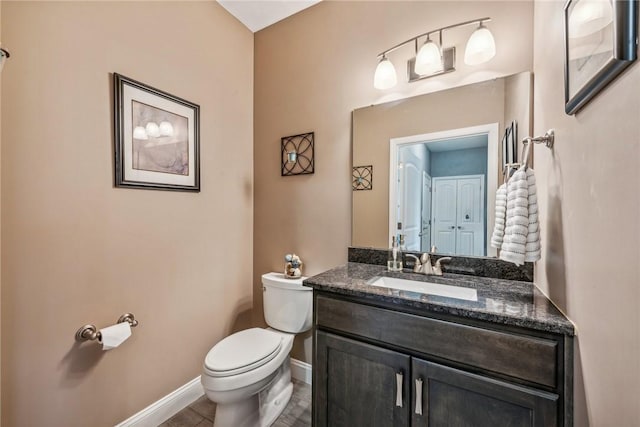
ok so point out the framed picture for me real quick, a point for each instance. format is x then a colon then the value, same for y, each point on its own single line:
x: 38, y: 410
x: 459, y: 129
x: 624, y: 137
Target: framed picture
x: 510, y: 145
x: 600, y: 42
x: 157, y: 138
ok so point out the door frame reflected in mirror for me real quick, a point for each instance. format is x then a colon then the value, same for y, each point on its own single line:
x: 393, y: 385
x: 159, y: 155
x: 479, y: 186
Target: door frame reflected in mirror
x: 493, y: 141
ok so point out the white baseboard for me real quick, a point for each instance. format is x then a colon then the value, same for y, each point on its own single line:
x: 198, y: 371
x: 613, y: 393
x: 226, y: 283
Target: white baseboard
x: 163, y: 409
x: 301, y: 371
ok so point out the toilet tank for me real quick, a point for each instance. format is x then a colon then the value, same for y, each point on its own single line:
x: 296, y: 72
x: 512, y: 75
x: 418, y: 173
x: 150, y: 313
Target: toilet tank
x: 288, y: 306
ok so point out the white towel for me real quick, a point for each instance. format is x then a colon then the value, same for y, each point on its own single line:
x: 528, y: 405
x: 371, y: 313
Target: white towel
x: 517, y: 225
x: 501, y: 215
x: 521, y: 241
x: 532, y: 248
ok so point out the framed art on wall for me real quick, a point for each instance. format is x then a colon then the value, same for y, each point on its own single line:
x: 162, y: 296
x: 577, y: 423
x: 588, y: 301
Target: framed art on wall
x: 510, y: 145
x: 157, y: 138
x: 600, y: 42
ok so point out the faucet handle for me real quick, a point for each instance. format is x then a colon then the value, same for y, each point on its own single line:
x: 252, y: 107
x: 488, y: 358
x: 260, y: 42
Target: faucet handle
x: 417, y: 266
x: 437, y: 269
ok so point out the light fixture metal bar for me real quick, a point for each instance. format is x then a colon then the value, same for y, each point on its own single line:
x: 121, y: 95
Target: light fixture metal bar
x: 5, y: 52
x: 448, y: 27
x: 448, y: 65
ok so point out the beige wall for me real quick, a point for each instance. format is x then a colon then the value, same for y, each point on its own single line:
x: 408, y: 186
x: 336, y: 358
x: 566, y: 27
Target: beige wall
x: 589, y: 208
x: 75, y: 249
x: 516, y: 88
x: 311, y: 71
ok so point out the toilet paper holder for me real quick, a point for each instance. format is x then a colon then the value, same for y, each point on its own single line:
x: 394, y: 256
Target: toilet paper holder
x: 91, y: 333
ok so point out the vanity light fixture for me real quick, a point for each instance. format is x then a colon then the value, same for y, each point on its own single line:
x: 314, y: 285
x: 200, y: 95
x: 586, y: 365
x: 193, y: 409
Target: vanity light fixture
x: 481, y: 46
x: 429, y: 57
x: 589, y: 17
x: 4, y: 55
x: 433, y: 59
x: 385, y: 77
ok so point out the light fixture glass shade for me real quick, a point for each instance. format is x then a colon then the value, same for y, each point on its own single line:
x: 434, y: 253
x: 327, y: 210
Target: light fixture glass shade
x: 153, y: 130
x: 166, y: 128
x: 589, y: 16
x: 140, y: 133
x: 428, y: 59
x: 385, y: 77
x: 481, y: 47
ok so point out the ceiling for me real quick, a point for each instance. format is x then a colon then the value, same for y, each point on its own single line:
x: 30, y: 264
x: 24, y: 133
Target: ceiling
x: 258, y: 14
x: 459, y: 143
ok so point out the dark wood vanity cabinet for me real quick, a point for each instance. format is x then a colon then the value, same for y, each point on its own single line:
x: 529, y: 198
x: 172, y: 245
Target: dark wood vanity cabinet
x: 375, y: 366
x: 452, y: 397
x: 360, y: 383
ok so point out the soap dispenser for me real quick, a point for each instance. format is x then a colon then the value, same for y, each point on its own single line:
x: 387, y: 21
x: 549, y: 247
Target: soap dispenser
x: 401, y: 243
x: 394, y: 261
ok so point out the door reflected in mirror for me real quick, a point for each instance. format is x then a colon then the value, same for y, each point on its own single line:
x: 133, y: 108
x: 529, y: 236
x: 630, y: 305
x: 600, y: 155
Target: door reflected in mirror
x: 440, y: 197
x: 437, y: 159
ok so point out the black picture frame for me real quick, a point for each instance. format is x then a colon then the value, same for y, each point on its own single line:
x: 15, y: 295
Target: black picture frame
x: 152, y: 156
x: 510, y: 145
x: 582, y: 83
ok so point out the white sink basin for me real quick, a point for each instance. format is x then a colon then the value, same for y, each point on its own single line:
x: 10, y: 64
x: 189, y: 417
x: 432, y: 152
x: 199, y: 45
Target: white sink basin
x: 458, y: 292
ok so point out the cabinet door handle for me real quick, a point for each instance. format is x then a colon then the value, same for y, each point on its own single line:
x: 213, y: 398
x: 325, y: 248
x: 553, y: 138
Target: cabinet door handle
x: 399, y: 389
x: 419, y: 396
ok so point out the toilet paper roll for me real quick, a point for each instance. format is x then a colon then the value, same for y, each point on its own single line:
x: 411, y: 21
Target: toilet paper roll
x: 113, y: 336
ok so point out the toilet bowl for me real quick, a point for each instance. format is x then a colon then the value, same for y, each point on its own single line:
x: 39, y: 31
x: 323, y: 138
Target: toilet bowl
x: 248, y: 373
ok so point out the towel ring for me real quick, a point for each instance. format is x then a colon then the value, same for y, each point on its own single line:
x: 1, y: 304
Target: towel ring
x: 548, y: 139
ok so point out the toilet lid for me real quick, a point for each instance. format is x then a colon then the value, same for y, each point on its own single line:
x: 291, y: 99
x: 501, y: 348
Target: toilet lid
x: 243, y: 351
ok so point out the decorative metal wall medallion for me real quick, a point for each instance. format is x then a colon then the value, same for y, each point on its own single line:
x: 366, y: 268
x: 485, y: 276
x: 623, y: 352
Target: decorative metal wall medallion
x: 362, y: 178
x: 297, y: 154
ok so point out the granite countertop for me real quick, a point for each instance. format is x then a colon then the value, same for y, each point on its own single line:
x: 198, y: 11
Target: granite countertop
x: 505, y: 302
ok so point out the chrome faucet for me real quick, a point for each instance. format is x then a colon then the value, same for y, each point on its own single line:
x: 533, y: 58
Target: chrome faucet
x: 417, y: 267
x: 437, y: 269
x: 423, y: 264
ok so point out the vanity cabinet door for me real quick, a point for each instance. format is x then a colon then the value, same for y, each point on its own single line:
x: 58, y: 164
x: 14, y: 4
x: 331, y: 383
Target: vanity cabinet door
x: 358, y: 384
x: 454, y: 398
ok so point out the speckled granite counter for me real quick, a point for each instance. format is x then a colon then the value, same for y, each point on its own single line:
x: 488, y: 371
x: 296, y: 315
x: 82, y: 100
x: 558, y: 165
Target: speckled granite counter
x: 499, y: 301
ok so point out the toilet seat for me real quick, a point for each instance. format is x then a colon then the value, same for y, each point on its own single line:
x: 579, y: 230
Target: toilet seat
x: 242, y: 352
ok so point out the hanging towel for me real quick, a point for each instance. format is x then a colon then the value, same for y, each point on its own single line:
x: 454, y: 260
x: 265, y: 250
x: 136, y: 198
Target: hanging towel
x: 521, y: 241
x: 532, y: 249
x: 501, y: 215
x: 517, y: 224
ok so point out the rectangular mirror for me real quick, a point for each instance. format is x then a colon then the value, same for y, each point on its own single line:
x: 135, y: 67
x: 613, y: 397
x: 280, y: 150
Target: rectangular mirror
x: 434, y: 162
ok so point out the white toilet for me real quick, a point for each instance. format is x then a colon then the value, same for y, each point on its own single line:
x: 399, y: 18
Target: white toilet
x: 247, y: 374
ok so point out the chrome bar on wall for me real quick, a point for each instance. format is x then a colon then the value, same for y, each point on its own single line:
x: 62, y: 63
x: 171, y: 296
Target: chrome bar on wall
x: 547, y: 139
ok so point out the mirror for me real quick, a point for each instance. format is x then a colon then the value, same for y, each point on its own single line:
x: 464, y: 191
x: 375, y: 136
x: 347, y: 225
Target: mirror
x: 434, y: 163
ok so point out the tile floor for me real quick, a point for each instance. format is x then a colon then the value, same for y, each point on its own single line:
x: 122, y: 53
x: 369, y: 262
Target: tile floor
x: 202, y: 412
